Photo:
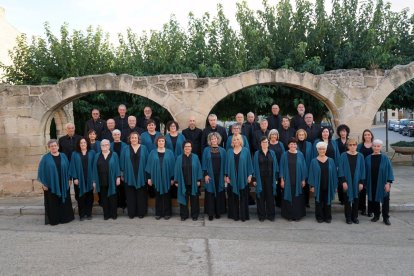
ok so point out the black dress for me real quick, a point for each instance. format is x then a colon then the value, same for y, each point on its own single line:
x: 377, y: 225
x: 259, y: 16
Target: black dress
x: 108, y: 203
x: 322, y: 209
x: 296, y: 209
x: 374, y: 205
x: 277, y: 148
x: 163, y: 206
x: 57, y: 211
x: 363, y: 193
x: 341, y: 148
x: 215, y: 203
x: 85, y: 202
x: 120, y: 190
x: 266, y: 200
x: 187, y: 168
x: 351, y: 209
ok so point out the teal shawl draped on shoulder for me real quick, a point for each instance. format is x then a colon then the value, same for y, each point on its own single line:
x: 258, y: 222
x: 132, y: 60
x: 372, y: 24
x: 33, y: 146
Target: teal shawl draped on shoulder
x: 314, y: 178
x: 161, y: 177
x: 256, y: 172
x: 76, y: 171
x: 245, y: 142
x: 238, y: 176
x: 179, y: 177
x: 178, y: 146
x: 128, y: 170
x: 344, y: 170
x: 146, y: 140
x: 385, y: 174
x: 47, y: 174
x: 114, y: 172
x: 301, y: 174
x: 335, y: 148
x: 96, y: 147
x: 207, y: 166
x: 308, y: 154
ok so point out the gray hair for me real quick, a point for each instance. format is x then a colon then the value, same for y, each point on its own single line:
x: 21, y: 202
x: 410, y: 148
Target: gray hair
x: 273, y: 132
x: 212, y: 116
x: 321, y: 145
x: 69, y: 124
x: 250, y: 114
x: 51, y: 141
x: 214, y: 134
x: 263, y: 120
x: 377, y: 142
x: 115, y: 131
x: 105, y: 141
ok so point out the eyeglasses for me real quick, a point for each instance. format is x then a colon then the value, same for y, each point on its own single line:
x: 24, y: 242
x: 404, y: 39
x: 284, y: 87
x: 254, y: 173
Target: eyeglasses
x: 352, y: 145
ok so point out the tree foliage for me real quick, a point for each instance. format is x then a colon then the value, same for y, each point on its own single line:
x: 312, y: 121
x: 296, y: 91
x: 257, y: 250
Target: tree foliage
x: 302, y: 37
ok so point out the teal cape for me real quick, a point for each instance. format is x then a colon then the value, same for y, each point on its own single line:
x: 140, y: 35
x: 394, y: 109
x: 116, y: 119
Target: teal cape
x: 335, y: 147
x: 47, y: 174
x: 256, y: 172
x: 344, y: 170
x: 146, y: 140
x: 128, y: 170
x: 245, y: 142
x: 96, y: 147
x: 238, y: 181
x: 114, y: 172
x: 301, y: 174
x: 207, y: 166
x: 308, y: 154
x: 179, y: 177
x: 385, y: 174
x: 161, y: 177
x: 178, y: 146
x: 76, y: 171
x: 314, y: 178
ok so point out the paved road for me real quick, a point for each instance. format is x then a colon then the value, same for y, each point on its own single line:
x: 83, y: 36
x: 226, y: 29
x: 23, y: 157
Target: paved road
x: 379, y: 132
x: 220, y: 247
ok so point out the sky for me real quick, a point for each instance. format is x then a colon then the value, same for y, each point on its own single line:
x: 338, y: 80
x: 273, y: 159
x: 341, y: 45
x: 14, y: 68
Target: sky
x: 115, y: 17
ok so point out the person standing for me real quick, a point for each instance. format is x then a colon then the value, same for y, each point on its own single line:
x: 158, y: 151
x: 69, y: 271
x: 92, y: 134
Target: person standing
x: 275, y: 119
x: 286, y: 132
x: 305, y: 148
x: 107, y: 133
x: 117, y: 146
x: 298, y: 121
x: 121, y: 121
x: 258, y: 134
x: 193, y: 134
x: 213, y: 127
x: 149, y: 137
x: 312, y: 129
x: 143, y: 121
x: 95, y: 123
x: 132, y: 127
x: 53, y: 173
x: 341, y: 142
x: 365, y: 147
x: 250, y: 126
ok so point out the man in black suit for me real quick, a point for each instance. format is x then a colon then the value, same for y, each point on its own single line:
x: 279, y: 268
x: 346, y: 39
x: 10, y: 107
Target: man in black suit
x: 96, y: 124
x: 275, y: 119
x: 286, y: 132
x: 193, y: 134
x: 249, y: 128
x: 213, y: 127
x: 142, y: 122
x: 121, y: 121
x: 258, y: 134
x: 312, y: 129
x: 298, y: 121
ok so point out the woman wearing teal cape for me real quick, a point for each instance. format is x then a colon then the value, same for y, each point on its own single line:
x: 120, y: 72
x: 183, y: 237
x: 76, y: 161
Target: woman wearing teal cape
x: 106, y: 177
x: 160, y: 167
x: 81, y: 165
x: 351, y: 175
x: 305, y: 148
x: 378, y: 182
x: 187, y: 176
x: 132, y: 163
x: 117, y: 146
x: 277, y: 147
x: 323, y: 181
x: 238, y: 173
x: 213, y: 165
x: 265, y: 174
x: 332, y: 150
x: 293, y: 173
x: 53, y: 173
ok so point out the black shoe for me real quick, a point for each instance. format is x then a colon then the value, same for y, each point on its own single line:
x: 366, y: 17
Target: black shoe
x: 271, y: 219
x: 183, y: 219
x: 157, y: 217
x: 319, y: 220
x: 141, y: 217
x: 106, y: 218
x: 89, y: 217
x: 195, y: 219
x: 218, y: 216
x: 364, y: 213
x: 348, y: 221
x: 387, y: 221
x: 210, y: 218
x: 114, y: 217
x: 82, y: 218
x: 328, y: 220
x: 167, y: 217
x: 356, y: 221
x: 375, y: 219
x: 261, y: 219
x: 370, y: 215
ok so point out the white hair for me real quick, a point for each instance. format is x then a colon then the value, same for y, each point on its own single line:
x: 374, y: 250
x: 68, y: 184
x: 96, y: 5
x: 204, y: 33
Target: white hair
x: 212, y: 116
x: 321, y: 145
x: 105, y: 141
x: 377, y: 142
x: 115, y: 131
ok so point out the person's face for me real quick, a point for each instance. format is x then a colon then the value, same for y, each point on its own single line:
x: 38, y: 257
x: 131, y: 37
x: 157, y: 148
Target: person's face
x: 212, y: 122
x: 376, y: 148
x: 110, y: 124
x: 309, y: 119
x: 161, y: 143
x: 54, y: 148
x: 83, y: 145
x: 352, y: 146
x: 147, y: 112
x: 325, y: 134
x: 264, y: 144
x: 70, y: 130
x: 173, y: 128
x: 235, y: 130
x: 151, y: 127
x: 134, y: 139
x: 285, y: 123
x: 239, y: 118
x: 187, y: 149
x: 263, y: 125
x: 122, y: 111
x: 367, y: 136
x: 275, y: 110
x: 104, y: 147
x: 322, y: 151
x: 292, y: 146
x: 116, y: 136
x: 301, y: 136
x: 214, y: 141
x: 95, y: 114
x: 343, y: 133
x: 273, y: 137
x: 132, y: 122
x: 192, y: 123
x: 250, y: 118
x: 92, y: 136
x: 236, y: 141
x: 301, y: 109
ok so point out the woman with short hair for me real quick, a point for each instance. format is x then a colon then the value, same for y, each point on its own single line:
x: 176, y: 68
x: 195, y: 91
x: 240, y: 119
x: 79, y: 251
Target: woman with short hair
x: 365, y: 148
x: 279, y: 149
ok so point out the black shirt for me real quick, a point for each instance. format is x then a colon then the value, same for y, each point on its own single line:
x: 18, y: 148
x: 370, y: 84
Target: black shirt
x: 221, y: 130
x: 135, y: 159
x: 324, y: 166
x: 274, y: 122
x: 265, y: 164
x: 365, y: 151
x: 285, y: 135
x: 277, y: 148
x: 341, y: 146
x: 298, y: 122
x: 121, y: 123
x: 312, y: 132
x: 84, y: 159
x: 99, y: 126
x: 57, y: 161
x: 142, y: 123
x: 194, y: 135
x: 126, y: 132
x: 174, y: 141
x: 258, y: 134
x: 187, y: 169
x: 67, y: 144
x: 103, y: 169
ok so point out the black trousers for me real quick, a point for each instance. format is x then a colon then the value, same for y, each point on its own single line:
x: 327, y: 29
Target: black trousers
x: 194, y: 203
x: 57, y: 211
x: 85, y: 204
x: 265, y: 200
x: 362, y: 200
x: 109, y: 204
x: 163, y: 204
x: 215, y: 204
x: 376, y: 208
x: 137, y: 201
x: 279, y: 194
x: 306, y: 192
x: 341, y: 193
x: 322, y: 209
x: 120, y: 193
x: 238, y: 204
x: 350, y: 208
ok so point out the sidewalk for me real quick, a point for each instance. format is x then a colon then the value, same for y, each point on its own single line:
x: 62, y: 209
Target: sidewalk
x: 402, y: 196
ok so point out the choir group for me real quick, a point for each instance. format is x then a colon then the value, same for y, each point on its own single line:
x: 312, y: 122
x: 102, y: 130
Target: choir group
x: 126, y: 160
